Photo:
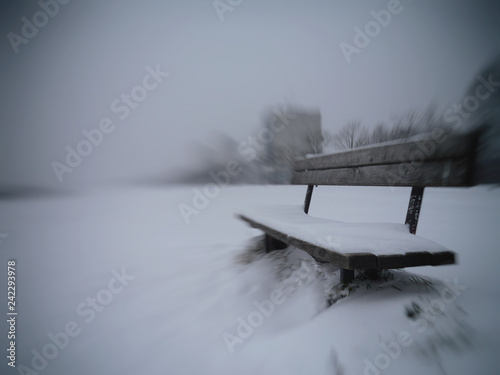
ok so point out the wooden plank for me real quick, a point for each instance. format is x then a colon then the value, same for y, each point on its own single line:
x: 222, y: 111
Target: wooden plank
x: 363, y: 261
x: 344, y: 260
x: 328, y: 256
x: 422, y: 258
x: 415, y: 260
x: 442, y: 258
x: 431, y: 173
x: 386, y: 262
x: 355, y: 261
x: 443, y: 147
x: 271, y: 232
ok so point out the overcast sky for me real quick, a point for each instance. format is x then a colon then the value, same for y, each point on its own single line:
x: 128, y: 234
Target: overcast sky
x: 223, y: 70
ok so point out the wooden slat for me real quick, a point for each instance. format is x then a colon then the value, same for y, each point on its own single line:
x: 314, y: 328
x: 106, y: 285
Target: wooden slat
x: 355, y: 261
x: 432, y: 173
x: 343, y: 260
x: 408, y: 152
x: 386, y: 262
x: 442, y: 258
x: 415, y: 260
x: 418, y: 259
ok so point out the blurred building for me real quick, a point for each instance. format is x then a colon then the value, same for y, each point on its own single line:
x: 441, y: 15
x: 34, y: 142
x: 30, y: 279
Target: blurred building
x: 293, y: 132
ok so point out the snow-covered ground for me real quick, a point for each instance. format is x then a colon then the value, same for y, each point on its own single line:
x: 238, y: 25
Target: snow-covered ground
x: 116, y: 282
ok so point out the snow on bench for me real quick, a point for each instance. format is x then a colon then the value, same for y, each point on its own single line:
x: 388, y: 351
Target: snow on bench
x: 348, y: 245
x: 437, y: 160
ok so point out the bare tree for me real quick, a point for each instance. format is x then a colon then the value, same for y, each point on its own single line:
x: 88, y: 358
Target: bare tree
x: 380, y: 134
x: 404, y: 126
x: 350, y: 136
x: 314, y: 141
x: 430, y: 119
x: 411, y: 123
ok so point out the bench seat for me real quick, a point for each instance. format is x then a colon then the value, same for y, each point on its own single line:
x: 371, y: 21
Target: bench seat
x: 347, y: 245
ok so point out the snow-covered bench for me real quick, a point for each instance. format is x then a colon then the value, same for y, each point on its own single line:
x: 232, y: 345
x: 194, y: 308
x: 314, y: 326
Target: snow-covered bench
x: 436, y: 160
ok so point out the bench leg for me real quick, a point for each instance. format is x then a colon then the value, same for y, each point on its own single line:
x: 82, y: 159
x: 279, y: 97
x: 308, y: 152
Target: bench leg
x: 307, y: 200
x: 273, y: 244
x: 416, y: 196
x: 346, y: 275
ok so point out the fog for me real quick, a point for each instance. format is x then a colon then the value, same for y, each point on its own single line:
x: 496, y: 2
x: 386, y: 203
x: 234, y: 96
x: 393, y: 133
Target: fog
x: 214, y: 70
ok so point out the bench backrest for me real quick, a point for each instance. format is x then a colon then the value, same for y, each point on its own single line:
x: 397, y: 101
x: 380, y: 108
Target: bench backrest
x: 438, y: 159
